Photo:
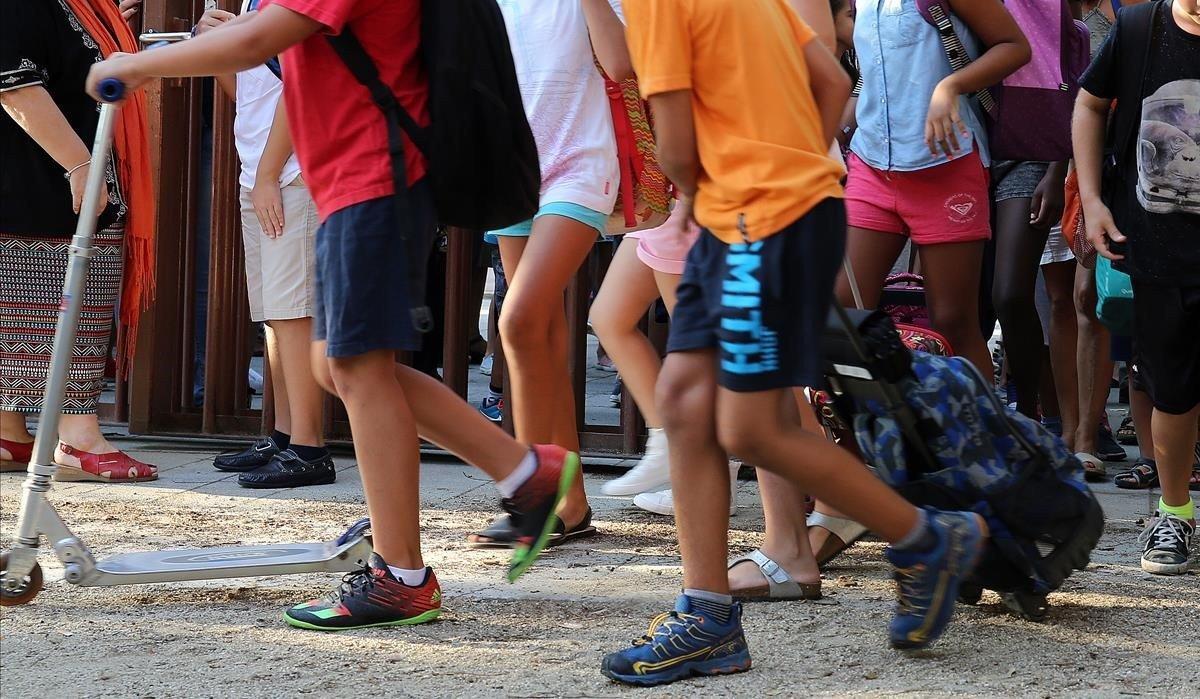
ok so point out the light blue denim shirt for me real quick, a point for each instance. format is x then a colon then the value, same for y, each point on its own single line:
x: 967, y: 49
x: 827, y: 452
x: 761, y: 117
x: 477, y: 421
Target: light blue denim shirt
x: 902, y: 61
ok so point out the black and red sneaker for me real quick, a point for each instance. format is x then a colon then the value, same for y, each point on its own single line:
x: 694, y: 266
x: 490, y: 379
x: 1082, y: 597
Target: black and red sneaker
x: 370, y: 597
x: 536, y: 501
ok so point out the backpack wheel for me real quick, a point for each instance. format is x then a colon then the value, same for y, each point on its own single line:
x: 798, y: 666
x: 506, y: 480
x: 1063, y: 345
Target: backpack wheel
x: 22, y: 593
x: 1032, y: 606
x: 969, y: 593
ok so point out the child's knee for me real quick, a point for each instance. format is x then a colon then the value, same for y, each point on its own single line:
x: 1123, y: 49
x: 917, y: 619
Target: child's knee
x: 680, y: 398
x: 959, y: 325
x: 606, y: 320
x: 525, y: 327
x: 744, y: 437
x: 1062, y: 308
x: 354, y: 377
x: 1009, y: 303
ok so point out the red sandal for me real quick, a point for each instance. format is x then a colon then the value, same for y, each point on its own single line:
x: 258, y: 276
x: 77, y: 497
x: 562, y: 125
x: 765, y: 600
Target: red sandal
x: 116, y: 467
x: 21, y: 452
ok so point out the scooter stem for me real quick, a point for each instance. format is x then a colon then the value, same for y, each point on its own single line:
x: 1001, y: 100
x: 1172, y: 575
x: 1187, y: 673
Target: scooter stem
x: 42, y: 466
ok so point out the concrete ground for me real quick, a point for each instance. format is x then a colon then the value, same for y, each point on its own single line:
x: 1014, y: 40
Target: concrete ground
x: 1112, y: 631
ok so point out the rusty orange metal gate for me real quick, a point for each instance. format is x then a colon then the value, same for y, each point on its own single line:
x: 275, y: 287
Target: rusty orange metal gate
x: 158, y: 398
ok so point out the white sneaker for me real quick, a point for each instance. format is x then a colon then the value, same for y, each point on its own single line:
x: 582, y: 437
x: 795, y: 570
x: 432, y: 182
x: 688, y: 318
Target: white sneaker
x: 651, y: 473
x: 485, y: 367
x: 663, y: 503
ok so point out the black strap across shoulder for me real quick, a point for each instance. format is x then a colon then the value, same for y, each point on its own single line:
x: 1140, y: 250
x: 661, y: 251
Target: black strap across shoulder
x: 352, y: 53
x: 1136, y: 25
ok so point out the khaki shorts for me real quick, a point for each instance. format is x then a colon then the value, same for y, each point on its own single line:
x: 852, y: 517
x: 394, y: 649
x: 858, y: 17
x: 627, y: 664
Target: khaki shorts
x: 280, y: 271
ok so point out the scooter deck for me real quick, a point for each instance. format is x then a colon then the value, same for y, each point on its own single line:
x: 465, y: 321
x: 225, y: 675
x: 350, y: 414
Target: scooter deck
x: 229, y: 562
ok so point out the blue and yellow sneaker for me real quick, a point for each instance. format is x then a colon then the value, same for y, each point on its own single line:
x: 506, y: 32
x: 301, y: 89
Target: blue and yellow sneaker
x: 681, y: 644
x: 927, y: 582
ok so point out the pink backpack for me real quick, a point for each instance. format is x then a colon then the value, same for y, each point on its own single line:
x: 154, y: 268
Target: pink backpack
x: 1041, y: 93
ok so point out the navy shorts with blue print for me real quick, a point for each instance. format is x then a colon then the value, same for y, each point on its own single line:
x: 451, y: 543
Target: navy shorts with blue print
x: 370, y: 279
x: 763, y: 305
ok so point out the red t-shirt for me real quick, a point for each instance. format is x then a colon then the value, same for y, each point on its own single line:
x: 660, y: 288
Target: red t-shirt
x: 339, y: 134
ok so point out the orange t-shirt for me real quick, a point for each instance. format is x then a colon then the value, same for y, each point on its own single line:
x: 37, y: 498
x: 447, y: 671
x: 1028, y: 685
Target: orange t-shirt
x: 763, y: 155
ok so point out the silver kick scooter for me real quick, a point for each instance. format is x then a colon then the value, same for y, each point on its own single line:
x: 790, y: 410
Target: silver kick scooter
x: 20, y: 574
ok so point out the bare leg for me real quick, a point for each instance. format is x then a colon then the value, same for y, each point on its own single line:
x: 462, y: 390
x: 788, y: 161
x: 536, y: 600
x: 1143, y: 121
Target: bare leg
x: 757, y: 426
x: 279, y: 387
x: 446, y: 420
x: 1142, y: 409
x: 1047, y: 396
x: 787, y: 535
x: 687, y: 401
x: 627, y: 292
x: 1019, y: 249
x: 667, y: 284
x: 14, y: 429
x: 1094, y: 362
x: 303, y: 395
x: 533, y: 328
x: 1064, y: 339
x: 872, y: 255
x: 386, y: 447
x: 83, y: 433
x: 1174, y: 451
x: 952, y: 293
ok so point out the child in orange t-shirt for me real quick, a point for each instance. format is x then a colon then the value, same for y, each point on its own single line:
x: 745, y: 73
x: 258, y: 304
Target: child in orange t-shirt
x: 745, y: 106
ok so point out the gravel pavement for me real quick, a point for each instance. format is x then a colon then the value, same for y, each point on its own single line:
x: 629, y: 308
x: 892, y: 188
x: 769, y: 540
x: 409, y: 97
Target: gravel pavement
x: 1112, y: 631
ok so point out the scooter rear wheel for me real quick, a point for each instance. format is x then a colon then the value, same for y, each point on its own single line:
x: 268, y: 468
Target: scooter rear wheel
x: 25, y: 592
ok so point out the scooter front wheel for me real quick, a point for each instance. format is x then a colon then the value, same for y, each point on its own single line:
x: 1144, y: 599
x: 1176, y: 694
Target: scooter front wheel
x: 22, y: 593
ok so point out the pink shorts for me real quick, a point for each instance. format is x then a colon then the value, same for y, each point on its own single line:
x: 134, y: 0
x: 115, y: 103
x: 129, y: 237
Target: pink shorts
x: 947, y: 203
x: 663, y: 249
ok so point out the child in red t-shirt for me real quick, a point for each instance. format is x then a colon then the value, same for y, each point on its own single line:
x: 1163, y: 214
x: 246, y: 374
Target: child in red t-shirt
x: 363, y: 292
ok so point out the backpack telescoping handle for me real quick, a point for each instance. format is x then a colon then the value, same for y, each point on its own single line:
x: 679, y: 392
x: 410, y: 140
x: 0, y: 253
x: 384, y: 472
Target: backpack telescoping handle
x: 80, y: 252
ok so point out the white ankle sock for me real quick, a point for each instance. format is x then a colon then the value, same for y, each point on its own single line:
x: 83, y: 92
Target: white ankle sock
x: 412, y: 578
x: 520, y: 474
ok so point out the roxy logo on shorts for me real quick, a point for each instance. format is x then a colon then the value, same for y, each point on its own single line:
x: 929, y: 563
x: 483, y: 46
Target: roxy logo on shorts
x: 962, y: 208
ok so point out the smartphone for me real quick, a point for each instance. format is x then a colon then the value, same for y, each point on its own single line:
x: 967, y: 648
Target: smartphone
x: 159, y: 37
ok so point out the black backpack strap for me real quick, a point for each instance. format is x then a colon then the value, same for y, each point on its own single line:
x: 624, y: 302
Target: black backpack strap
x: 1135, y: 23
x: 352, y: 53
x: 938, y: 13
x: 363, y: 68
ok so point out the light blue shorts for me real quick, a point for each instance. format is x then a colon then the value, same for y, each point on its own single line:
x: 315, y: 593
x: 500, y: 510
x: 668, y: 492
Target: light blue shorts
x: 586, y: 216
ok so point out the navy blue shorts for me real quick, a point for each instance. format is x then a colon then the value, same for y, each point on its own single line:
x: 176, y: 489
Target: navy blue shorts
x: 763, y: 305
x: 370, y: 281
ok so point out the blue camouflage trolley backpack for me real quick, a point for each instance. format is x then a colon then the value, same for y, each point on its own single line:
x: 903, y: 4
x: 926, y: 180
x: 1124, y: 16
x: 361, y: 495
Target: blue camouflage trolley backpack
x: 942, y: 438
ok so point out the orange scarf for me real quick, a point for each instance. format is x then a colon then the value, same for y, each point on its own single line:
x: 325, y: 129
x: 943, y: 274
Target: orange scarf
x: 103, y: 22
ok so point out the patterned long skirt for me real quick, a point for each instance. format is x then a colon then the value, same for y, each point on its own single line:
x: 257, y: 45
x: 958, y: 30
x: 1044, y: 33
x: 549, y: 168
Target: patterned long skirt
x: 31, y: 277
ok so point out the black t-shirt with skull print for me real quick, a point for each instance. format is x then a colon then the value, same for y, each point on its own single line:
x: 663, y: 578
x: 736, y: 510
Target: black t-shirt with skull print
x: 1158, y: 205
x: 42, y: 43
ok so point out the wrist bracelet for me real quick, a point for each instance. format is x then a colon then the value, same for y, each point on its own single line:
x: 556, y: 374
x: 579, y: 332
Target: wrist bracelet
x: 72, y: 170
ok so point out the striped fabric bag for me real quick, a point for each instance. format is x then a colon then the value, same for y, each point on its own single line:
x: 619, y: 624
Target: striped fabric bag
x: 645, y: 193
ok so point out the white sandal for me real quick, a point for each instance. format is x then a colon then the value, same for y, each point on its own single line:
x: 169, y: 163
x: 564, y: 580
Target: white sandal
x: 847, y: 531
x: 780, y: 586
x: 1093, y: 467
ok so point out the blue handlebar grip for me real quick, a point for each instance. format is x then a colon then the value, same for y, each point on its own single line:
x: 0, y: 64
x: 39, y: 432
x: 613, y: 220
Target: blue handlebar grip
x: 111, y: 90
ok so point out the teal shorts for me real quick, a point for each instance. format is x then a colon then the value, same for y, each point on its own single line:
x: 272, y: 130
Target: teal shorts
x: 575, y: 212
